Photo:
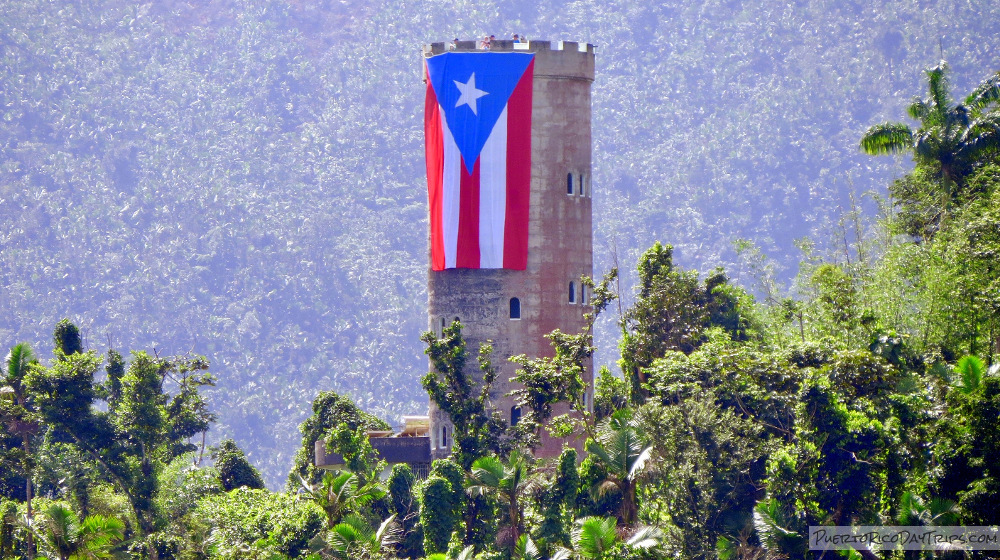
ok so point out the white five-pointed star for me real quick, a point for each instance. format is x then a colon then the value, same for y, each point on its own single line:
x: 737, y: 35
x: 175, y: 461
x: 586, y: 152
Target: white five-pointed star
x: 469, y: 93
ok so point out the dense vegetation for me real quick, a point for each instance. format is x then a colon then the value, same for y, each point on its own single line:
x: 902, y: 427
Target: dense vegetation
x: 227, y: 178
x: 871, y: 398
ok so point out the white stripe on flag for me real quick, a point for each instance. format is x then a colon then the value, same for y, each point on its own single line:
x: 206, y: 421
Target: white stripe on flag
x: 450, y: 194
x: 493, y: 195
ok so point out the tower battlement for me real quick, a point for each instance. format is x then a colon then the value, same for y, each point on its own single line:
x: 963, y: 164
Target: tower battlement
x: 509, y: 45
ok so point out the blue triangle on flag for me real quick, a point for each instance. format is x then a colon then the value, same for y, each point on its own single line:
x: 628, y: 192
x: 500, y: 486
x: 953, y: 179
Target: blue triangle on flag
x: 472, y: 89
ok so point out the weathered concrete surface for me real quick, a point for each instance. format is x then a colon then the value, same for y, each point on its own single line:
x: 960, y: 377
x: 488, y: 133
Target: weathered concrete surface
x: 559, y: 239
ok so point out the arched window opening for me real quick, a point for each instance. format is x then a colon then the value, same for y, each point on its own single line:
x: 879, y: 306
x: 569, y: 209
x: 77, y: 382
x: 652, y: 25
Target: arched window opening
x: 583, y: 184
x: 572, y: 292
x: 569, y: 183
x: 583, y: 293
x: 515, y: 308
x: 442, y: 326
x: 515, y: 415
x: 445, y: 444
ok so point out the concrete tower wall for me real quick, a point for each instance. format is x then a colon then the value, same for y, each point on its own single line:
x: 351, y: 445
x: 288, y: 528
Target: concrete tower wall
x: 559, y: 238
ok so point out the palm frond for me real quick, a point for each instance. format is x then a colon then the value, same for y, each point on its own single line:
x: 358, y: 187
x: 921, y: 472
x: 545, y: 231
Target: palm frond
x: 772, y: 534
x: 943, y: 512
x: 599, y: 451
x: 887, y: 138
x: 594, y: 535
x: 639, y: 462
x: 982, y: 137
x: 646, y: 537
x: 918, y: 110
x: 937, y: 85
x: 351, y: 535
x: 388, y: 533
x: 987, y: 93
x: 525, y: 549
x: 18, y: 360
x: 971, y: 371
x: 562, y: 554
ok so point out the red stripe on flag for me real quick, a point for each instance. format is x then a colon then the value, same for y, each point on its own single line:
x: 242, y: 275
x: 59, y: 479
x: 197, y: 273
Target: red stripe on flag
x: 467, y: 254
x: 515, y: 244
x: 434, y: 138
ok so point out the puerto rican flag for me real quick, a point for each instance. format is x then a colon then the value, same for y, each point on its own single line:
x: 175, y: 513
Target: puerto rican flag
x: 477, y: 125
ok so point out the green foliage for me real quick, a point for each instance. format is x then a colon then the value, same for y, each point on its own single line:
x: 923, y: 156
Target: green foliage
x: 64, y: 536
x: 623, y: 450
x: 952, y: 141
x: 144, y: 428
x: 967, y: 450
x: 355, y: 447
x: 437, y: 513
x: 345, y: 493
x: 547, y: 381
x: 835, y: 469
x: 403, y: 487
x: 354, y: 539
x: 557, y: 504
x: 610, y: 394
x: 509, y: 484
x: 331, y: 412
x: 704, y: 470
x: 542, y: 382
x: 234, y: 469
x: 118, y: 181
x: 8, y: 528
x: 458, y: 393
x: 66, y: 339
x: 588, y: 502
x: 182, y: 483
x: 673, y: 312
x: 596, y: 538
x: 244, y: 519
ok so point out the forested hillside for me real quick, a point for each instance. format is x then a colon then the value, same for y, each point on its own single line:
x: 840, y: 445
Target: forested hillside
x: 244, y: 180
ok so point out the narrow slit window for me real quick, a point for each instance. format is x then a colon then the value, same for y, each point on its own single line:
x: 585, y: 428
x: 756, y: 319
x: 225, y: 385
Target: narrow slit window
x: 569, y: 183
x: 572, y: 292
x: 515, y: 308
x: 515, y: 415
x: 583, y: 185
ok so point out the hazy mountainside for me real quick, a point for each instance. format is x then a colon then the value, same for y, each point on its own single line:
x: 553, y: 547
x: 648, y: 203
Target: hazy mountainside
x: 245, y: 180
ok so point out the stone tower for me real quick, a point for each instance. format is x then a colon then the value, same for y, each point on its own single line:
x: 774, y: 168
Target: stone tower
x: 515, y: 309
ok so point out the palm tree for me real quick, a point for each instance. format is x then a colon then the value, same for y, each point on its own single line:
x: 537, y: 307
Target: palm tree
x: 340, y: 494
x: 623, y: 452
x: 915, y: 512
x: 971, y: 371
x: 21, y: 421
x: 952, y: 138
x: 593, y: 537
x: 354, y: 538
x: 772, y: 524
x: 63, y: 535
x: 508, y: 484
